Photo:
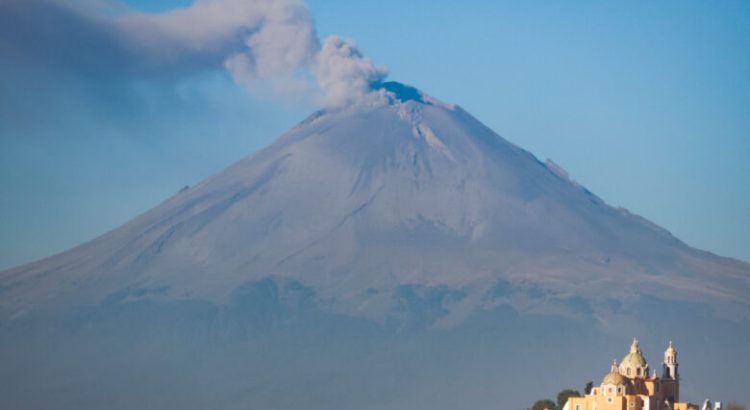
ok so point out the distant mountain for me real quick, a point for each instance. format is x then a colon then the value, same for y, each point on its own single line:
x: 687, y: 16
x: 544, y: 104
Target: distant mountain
x: 405, y: 215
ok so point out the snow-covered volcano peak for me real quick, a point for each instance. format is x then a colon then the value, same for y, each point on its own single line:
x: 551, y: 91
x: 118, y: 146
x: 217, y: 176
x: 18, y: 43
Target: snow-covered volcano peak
x: 312, y: 262
x: 401, y: 93
x: 413, y: 191
x: 388, y: 98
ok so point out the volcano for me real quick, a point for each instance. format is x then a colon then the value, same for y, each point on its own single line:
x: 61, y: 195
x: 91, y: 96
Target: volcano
x: 400, y: 215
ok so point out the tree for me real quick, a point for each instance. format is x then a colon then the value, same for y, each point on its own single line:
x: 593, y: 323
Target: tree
x: 735, y: 406
x: 544, y: 404
x: 563, y: 396
x: 588, y: 388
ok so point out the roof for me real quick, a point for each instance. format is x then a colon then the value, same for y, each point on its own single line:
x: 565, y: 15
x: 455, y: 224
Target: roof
x: 614, y: 378
x: 635, y: 357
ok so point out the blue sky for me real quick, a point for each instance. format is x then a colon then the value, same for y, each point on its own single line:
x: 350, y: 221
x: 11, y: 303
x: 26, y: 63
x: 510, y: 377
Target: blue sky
x: 647, y: 104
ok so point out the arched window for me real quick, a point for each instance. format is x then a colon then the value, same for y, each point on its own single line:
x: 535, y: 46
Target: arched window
x: 638, y: 371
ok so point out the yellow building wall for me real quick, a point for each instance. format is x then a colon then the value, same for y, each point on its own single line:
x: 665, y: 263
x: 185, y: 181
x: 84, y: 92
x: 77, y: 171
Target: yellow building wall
x: 621, y: 403
x: 602, y: 403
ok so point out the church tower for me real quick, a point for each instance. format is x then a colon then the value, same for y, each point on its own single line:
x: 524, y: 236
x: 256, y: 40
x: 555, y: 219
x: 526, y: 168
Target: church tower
x: 670, y: 364
x: 670, y: 378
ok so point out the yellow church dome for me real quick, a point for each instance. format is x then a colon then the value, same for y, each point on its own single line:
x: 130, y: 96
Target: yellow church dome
x: 635, y: 358
x: 614, y: 378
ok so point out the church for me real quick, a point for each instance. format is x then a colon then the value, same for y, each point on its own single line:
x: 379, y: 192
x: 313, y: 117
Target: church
x: 631, y: 385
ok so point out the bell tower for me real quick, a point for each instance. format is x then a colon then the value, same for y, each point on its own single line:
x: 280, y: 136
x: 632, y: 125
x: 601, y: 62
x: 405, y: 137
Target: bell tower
x: 670, y: 364
x: 670, y: 379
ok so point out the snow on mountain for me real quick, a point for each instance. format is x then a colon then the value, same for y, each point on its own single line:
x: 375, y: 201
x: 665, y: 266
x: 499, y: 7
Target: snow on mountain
x: 356, y: 202
x: 394, y: 255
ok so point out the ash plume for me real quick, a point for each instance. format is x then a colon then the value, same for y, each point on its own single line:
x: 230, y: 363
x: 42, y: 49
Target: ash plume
x: 266, y: 46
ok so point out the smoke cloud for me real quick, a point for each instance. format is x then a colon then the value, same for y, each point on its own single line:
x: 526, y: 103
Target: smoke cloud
x: 346, y: 75
x: 266, y: 46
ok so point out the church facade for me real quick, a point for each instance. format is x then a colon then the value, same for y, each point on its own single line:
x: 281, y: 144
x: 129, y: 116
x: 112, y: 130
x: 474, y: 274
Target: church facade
x: 631, y: 385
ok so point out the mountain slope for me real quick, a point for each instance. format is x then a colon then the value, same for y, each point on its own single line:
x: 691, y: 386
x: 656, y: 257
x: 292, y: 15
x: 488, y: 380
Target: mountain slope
x: 359, y: 201
x: 392, y: 256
